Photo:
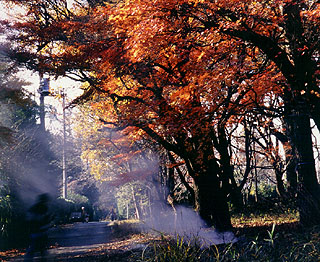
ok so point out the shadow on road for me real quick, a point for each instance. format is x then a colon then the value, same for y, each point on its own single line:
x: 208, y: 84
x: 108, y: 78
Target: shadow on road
x: 75, y: 239
x: 80, y: 234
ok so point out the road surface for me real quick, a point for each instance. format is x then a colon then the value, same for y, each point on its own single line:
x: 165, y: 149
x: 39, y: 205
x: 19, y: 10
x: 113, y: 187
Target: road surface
x: 75, y: 239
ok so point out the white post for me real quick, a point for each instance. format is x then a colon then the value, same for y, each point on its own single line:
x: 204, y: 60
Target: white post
x: 64, y: 176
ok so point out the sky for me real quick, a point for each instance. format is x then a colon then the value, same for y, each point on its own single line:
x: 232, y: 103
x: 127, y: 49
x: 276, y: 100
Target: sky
x: 8, y: 13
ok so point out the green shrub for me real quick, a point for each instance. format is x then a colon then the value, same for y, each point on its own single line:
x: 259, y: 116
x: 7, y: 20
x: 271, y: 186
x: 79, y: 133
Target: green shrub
x: 124, y: 228
x: 5, y: 214
x: 13, y: 230
x: 62, y: 208
x: 267, y: 191
x: 78, y: 200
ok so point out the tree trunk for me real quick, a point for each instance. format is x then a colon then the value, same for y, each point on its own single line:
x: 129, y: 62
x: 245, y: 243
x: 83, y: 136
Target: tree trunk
x: 212, y: 202
x: 182, y: 179
x: 127, y: 208
x: 308, y: 187
x: 292, y: 179
x: 136, y: 205
x: 229, y: 184
x: 291, y: 158
x: 280, y: 185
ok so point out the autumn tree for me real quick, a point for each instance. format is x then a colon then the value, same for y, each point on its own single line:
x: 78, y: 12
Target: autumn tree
x: 163, y: 93
x: 186, y: 73
x: 286, y: 33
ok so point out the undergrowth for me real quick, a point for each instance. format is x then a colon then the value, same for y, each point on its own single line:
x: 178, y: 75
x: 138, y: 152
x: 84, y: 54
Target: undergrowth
x: 124, y: 228
x: 273, y: 237
x: 273, y: 245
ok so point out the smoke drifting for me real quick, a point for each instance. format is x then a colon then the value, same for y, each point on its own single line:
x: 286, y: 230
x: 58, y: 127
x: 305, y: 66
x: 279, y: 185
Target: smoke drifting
x: 36, y: 183
x: 30, y: 167
x: 187, y: 224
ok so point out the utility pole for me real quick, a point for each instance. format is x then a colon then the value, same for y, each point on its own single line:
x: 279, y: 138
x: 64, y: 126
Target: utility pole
x: 44, y: 91
x: 64, y: 175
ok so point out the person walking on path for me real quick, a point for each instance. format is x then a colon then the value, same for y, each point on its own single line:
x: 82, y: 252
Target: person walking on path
x: 84, y: 215
x: 39, y: 221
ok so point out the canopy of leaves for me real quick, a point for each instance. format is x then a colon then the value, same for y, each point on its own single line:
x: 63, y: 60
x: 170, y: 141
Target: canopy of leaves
x: 185, y: 73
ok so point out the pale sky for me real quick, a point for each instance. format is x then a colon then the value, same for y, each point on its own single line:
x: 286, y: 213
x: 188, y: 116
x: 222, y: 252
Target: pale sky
x: 8, y: 13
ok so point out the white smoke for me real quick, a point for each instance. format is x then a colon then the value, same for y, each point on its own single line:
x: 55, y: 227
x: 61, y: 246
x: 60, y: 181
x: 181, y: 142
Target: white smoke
x: 186, y: 224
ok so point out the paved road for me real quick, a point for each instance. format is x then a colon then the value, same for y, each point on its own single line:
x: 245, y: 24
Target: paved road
x: 80, y: 234
x: 75, y: 239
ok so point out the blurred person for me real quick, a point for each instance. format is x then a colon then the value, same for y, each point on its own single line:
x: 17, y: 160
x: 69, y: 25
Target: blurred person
x: 84, y: 215
x: 39, y: 220
x: 113, y: 215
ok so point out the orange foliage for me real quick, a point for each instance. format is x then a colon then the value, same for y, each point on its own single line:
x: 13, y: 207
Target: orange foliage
x: 134, y: 176
x: 175, y: 69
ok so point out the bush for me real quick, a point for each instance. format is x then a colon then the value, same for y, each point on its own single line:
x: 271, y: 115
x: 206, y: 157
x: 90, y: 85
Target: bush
x: 5, y: 214
x: 62, y: 208
x: 267, y: 191
x: 125, y: 228
x: 78, y: 200
x: 13, y: 228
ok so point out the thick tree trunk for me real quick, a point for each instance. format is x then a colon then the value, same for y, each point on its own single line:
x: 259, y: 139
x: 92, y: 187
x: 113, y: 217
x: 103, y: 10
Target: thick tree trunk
x: 291, y: 157
x: 292, y: 178
x: 229, y: 184
x: 212, y: 202
x: 308, y: 187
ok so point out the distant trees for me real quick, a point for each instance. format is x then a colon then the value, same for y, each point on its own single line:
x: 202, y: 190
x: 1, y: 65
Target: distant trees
x: 214, y: 83
x: 119, y: 162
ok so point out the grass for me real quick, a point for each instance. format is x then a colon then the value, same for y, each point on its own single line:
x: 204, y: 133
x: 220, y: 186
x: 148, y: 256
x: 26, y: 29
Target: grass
x: 275, y: 244
x: 264, y: 219
x: 125, y: 228
x: 262, y: 237
x: 169, y: 249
